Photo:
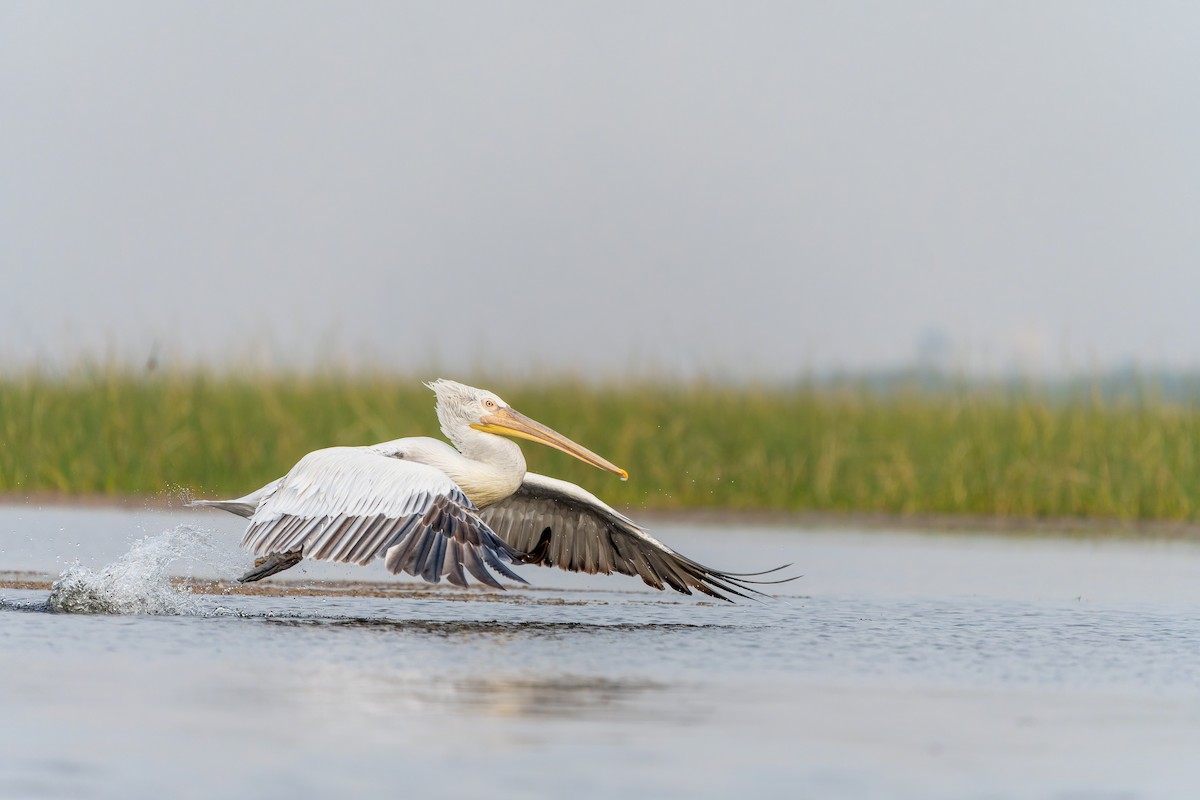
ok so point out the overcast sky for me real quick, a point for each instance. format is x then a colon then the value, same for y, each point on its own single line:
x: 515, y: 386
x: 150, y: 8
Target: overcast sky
x: 729, y: 189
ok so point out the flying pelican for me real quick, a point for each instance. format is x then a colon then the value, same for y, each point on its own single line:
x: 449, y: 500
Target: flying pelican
x: 429, y: 510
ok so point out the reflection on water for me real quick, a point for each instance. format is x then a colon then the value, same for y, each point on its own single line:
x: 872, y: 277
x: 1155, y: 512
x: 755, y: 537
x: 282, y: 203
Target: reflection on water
x: 500, y: 629
x: 565, y: 696
x: 390, y: 693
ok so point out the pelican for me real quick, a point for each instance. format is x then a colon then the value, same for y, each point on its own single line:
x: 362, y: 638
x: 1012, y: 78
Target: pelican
x: 430, y: 510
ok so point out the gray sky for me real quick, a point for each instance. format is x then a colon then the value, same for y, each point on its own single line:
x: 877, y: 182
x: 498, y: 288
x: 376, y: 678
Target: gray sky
x: 731, y: 189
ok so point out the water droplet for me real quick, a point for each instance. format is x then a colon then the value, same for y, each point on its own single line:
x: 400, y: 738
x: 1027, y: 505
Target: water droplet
x: 137, y: 582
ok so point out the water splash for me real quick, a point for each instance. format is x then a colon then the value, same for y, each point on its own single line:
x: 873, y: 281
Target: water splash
x: 137, y: 582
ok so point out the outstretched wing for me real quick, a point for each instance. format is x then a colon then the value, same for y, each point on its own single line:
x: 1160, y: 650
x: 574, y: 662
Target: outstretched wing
x: 353, y: 505
x: 561, y: 525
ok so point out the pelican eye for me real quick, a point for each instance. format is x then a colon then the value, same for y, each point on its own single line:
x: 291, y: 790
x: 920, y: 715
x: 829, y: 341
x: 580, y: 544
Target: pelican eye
x: 489, y: 403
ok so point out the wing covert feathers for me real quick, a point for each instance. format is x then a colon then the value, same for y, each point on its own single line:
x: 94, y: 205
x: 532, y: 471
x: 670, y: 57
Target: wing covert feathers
x: 353, y: 506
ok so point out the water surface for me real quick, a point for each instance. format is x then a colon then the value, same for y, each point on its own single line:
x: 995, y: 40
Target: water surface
x: 901, y: 665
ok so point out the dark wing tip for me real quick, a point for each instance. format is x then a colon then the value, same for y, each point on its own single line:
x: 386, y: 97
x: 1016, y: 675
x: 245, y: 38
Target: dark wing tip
x: 763, y: 572
x: 715, y: 582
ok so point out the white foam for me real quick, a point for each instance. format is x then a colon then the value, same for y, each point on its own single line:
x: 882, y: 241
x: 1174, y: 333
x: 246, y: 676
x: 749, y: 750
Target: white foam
x: 139, y: 581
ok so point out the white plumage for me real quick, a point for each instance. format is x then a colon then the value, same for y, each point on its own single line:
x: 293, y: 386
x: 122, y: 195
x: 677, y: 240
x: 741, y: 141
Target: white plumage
x: 431, y: 510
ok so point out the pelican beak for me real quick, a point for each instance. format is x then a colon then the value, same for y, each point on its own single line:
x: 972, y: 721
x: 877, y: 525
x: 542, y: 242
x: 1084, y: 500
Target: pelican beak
x: 508, y: 422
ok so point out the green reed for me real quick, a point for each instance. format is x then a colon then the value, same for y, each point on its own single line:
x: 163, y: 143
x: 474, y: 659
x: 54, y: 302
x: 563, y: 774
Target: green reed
x: 966, y: 451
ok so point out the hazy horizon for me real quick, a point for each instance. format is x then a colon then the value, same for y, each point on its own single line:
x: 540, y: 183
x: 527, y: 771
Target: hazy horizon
x: 752, y: 191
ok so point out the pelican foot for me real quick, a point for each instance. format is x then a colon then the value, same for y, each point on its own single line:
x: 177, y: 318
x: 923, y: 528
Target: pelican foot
x: 268, y: 566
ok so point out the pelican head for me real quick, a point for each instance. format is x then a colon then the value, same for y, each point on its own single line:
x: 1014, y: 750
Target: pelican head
x: 460, y: 407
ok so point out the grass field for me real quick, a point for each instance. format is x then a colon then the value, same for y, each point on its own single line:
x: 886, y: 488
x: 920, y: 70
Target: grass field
x: 806, y: 449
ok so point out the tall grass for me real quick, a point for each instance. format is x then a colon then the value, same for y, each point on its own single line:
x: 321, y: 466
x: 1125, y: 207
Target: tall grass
x: 110, y: 432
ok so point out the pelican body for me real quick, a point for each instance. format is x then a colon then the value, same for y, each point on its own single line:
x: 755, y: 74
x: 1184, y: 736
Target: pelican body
x: 432, y: 510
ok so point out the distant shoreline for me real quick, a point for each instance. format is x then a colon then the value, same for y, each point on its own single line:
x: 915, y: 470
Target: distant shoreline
x: 856, y: 520
x: 964, y: 459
